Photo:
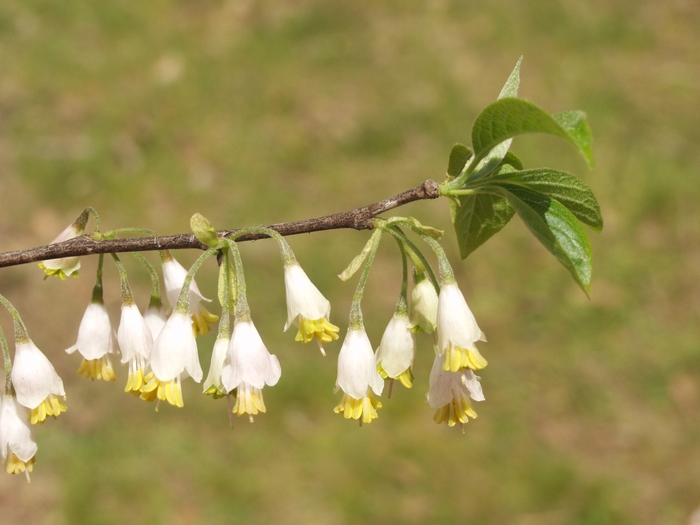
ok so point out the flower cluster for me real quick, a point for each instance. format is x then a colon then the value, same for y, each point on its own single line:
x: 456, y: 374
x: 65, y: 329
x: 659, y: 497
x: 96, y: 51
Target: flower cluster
x: 452, y: 379
x: 160, y: 348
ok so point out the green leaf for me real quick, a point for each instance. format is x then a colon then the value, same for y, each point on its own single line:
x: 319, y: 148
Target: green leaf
x: 478, y: 218
x: 511, y: 159
x: 510, y: 88
x: 459, y: 156
x: 509, y: 117
x: 561, y: 186
x: 575, y: 123
x: 555, y: 227
x: 494, y: 157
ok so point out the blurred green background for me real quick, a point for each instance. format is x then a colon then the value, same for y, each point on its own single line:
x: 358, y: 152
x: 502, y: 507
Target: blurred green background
x: 254, y: 112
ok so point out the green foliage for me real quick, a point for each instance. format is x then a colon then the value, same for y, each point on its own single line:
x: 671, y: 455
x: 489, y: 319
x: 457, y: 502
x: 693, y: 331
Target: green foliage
x: 479, y: 217
x: 490, y: 184
x: 459, y: 156
x: 509, y: 117
x: 562, y: 187
x: 555, y: 227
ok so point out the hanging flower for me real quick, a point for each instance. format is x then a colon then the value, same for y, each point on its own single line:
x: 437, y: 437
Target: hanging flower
x: 173, y: 357
x: 213, y: 385
x: 37, y: 385
x: 457, y: 332
x: 450, y: 394
x: 358, y: 378
x: 17, y: 446
x: 135, y: 342
x: 95, y: 343
x: 424, y: 306
x: 174, y: 275
x: 248, y: 369
x: 307, y: 308
x: 155, y: 319
x: 397, y: 350
x: 66, y: 265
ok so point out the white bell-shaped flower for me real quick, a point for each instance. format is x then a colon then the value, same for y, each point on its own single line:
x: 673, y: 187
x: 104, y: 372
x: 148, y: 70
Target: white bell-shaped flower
x: 65, y: 266
x: 450, y: 394
x: 249, y: 368
x: 457, y: 331
x: 37, y: 385
x: 358, y: 378
x: 17, y: 445
x: 213, y: 384
x: 307, y: 308
x: 397, y: 350
x: 95, y: 343
x: 155, y: 319
x: 135, y: 342
x: 174, y: 275
x: 173, y: 357
x: 424, y: 306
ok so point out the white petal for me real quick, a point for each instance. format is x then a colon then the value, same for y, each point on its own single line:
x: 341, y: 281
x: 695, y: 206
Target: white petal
x: 441, y: 382
x: 155, y: 319
x: 250, y: 362
x: 15, y: 433
x: 397, y: 349
x: 95, y: 333
x: 471, y: 381
x: 69, y: 265
x: 456, y: 323
x: 303, y: 298
x: 356, y: 366
x: 33, y: 376
x: 218, y: 356
x: 175, y: 350
x: 174, y: 275
x: 424, y: 306
x: 134, y: 335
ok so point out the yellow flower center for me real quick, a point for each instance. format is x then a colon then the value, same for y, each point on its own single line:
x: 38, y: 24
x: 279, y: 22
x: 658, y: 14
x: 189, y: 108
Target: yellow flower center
x: 365, y: 407
x: 58, y: 272
x: 406, y: 377
x: 14, y: 465
x: 51, y: 406
x: 135, y: 382
x: 214, y: 392
x: 249, y: 400
x: 170, y: 391
x: 97, y: 369
x: 322, y: 329
x: 201, y: 321
x: 456, y: 358
x: 459, y: 410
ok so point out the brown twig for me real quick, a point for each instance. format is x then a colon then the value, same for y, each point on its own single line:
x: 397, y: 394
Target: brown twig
x: 358, y: 219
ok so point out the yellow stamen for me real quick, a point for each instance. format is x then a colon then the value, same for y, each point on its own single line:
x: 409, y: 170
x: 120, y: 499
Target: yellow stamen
x: 57, y: 272
x: 406, y: 377
x: 97, y: 369
x: 14, y: 465
x: 352, y: 408
x: 322, y: 329
x: 201, y: 321
x: 459, y: 410
x: 51, y: 406
x: 170, y: 391
x: 214, y: 392
x: 135, y: 382
x: 456, y: 358
x: 249, y: 400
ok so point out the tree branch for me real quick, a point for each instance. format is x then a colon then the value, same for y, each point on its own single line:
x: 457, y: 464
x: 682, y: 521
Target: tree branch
x: 358, y: 219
